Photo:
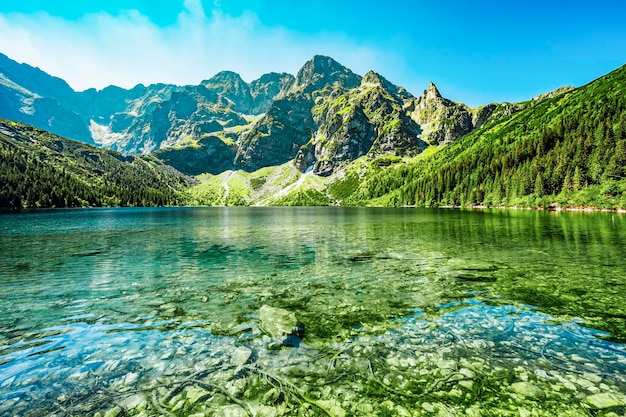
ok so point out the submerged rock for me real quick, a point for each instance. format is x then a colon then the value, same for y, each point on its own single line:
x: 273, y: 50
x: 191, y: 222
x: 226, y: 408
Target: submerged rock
x: 277, y: 322
x: 528, y: 390
x: 605, y: 400
x: 241, y: 356
x: 231, y: 411
x: 113, y: 412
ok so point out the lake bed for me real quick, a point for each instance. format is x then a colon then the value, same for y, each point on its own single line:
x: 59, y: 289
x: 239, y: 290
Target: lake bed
x: 400, y: 312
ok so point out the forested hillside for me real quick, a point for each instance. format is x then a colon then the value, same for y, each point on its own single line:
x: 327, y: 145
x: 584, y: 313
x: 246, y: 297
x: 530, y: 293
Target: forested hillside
x: 569, y: 150
x: 39, y: 169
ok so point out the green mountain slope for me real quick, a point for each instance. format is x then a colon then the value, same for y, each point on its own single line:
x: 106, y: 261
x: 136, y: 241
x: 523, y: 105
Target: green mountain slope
x: 39, y: 169
x: 567, y: 150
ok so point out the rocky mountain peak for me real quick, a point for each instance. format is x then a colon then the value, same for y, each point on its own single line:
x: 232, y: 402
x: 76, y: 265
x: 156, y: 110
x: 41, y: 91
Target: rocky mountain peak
x: 322, y: 71
x: 374, y: 79
x: 232, y: 88
x: 441, y: 120
x: 431, y: 93
x: 267, y: 88
x: 222, y: 78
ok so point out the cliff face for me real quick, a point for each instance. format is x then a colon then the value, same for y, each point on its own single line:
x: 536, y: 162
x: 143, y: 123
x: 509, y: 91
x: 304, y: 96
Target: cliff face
x: 366, y: 120
x: 289, y: 123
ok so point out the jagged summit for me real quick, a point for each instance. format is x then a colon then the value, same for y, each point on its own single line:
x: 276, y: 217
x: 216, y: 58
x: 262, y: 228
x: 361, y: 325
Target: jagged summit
x: 321, y: 71
x: 226, y: 82
x: 230, y: 85
x: 267, y: 88
x: 431, y: 92
x: 223, y: 76
x: 374, y: 79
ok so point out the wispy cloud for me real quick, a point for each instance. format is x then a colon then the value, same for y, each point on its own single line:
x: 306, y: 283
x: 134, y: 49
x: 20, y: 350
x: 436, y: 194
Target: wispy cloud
x: 102, y: 49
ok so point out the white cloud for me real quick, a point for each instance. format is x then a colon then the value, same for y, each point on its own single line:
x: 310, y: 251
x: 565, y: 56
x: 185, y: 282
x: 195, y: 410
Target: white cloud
x: 126, y: 49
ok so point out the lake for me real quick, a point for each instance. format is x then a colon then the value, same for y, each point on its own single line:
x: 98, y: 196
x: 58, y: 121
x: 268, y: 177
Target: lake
x: 389, y: 312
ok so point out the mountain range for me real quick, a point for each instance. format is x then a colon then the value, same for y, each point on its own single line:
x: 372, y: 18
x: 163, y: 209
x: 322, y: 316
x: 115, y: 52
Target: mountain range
x: 330, y: 136
x: 324, y: 116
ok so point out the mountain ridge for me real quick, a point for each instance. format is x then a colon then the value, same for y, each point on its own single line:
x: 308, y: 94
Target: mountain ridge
x: 145, y: 119
x: 330, y: 136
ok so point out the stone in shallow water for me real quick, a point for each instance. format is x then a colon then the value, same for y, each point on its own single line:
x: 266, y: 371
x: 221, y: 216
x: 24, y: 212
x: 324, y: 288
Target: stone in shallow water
x: 113, y: 412
x: 231, y: 411
x: 332, y: 407
x: 263, y: 411
x: 277, y: 322
x: 241, y: 356
x: 131, y: 378
x: 526, y: 389
x: 428, y: 407
x: 272, y: 396
x: 605, y: 400
x: 194, y: 394
x: 136, y: 401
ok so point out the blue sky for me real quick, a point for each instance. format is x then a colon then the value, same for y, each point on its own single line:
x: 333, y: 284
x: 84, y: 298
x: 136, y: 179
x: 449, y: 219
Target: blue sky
x: 476, y: 52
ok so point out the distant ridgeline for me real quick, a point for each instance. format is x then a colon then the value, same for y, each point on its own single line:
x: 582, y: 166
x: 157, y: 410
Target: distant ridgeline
x: 324, y: 137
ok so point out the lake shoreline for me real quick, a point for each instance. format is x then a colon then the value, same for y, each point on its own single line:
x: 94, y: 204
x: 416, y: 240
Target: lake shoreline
x: 551, y: 208
x: 588, y: 209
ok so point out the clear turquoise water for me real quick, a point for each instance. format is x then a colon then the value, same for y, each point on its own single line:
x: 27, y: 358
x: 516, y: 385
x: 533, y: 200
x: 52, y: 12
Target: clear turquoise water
x: 100, y: 306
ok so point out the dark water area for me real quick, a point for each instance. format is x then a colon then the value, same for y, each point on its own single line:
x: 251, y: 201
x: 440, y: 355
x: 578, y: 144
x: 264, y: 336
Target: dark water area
x: 398, y: 311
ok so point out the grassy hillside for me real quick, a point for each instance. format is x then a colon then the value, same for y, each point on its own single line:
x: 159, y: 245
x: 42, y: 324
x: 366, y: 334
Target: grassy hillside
x: 276, y: 185
x: 569, y: 150
x: 39, y: 169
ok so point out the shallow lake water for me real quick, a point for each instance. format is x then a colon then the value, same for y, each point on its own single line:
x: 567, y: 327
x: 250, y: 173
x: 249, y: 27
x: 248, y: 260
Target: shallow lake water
x: 407, y: 312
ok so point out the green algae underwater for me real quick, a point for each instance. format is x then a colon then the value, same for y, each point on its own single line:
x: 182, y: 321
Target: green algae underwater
x: 312, y: 312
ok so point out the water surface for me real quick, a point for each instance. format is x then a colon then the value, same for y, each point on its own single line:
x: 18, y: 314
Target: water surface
x: 424, y: 312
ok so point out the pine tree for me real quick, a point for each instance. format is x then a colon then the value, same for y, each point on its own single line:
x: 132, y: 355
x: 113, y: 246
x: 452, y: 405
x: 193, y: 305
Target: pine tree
x: 539, y: 186
x: 576, y: 180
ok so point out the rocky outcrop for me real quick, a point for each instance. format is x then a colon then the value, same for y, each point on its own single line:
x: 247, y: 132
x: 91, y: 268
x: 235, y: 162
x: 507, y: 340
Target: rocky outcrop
x: 321, y: 72
x: 441, y: 120
x: 265, y: 90
x: 211, y: 154
x: 231, y: 91
x: 481, y: 115
x: 289, y: 123
x: 253, y: 98
x: 367, y: 120
x: 278, y: 135
x: 553, y: 93
x: 343, y: 138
